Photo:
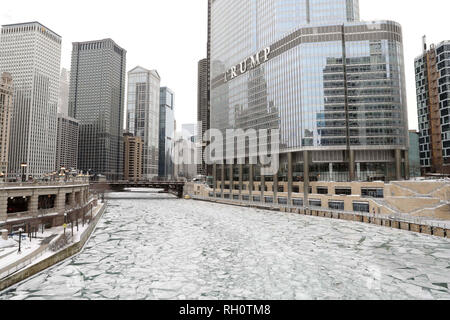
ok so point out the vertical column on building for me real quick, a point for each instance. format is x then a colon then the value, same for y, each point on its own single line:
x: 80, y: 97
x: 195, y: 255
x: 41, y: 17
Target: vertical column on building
x: 231, y: 179
x: 275, y: 188
x: 263, y: 185
x: 398, y: 164
x: 214, y: 178
x: 407, y: 168
x: 72, y: 201
x: 306, y: 178
x: 351, y: 164
x: 34, y: 204
x: 3, y: 206
x: 60, y: 204
x: 222, y: 186
x: 290, y: 178
x: 250, y: 185
x: 241, y: 169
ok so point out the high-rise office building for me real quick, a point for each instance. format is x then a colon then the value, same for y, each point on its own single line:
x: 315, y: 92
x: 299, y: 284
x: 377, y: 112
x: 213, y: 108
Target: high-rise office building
x: 133, y: 157
x: 63, y: 98
x: 96, y: 99
x: 6, y: 105
x: 332, y: 85
x: 203, y: 110
x: 166, y: 133
x: 31, y: 53
x: 433, y: 104
x: 143, y: 115
x: 67, y: 142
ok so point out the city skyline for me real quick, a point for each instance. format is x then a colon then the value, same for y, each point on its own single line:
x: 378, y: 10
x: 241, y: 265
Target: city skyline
x: 180, y: 71
x: 311, y: 160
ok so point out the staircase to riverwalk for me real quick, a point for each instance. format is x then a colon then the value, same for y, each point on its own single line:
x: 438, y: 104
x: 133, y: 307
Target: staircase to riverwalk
x: 421, y: 199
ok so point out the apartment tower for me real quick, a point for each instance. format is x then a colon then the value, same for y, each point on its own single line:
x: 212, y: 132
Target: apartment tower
x: 433, y: 97
x: 133, y: 157
x: 67, y: 142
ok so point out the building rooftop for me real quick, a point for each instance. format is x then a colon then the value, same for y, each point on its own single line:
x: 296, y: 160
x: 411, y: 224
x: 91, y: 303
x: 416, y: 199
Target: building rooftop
x: 29, y: 23
x: 139, y: 69
x: 99, y: 40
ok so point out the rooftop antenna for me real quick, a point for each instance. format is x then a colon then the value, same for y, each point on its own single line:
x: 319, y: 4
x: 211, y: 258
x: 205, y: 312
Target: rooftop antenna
x: 424, y: 41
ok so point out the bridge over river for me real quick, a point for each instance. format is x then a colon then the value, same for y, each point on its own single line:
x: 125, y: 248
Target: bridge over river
x: 173, y: 187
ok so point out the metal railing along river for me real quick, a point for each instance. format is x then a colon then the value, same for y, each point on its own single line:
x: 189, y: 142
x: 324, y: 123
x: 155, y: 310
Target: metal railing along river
x: 44, y: 249
x: 400, y: 218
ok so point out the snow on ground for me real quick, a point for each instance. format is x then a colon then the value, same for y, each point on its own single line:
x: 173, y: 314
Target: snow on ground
x: 6, y: 244
x: 28, y: 247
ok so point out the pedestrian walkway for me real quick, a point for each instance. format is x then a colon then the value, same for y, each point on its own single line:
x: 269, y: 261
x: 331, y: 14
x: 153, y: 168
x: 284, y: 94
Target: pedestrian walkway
x: 21, y: 261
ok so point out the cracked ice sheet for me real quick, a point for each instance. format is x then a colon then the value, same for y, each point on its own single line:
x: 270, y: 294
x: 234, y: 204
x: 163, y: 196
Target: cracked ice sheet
x: 156, y: 248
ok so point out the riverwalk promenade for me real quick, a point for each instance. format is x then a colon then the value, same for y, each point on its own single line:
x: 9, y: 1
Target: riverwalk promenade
x: 46, y: 247
x: 433, y: 227
x: 31, y: 205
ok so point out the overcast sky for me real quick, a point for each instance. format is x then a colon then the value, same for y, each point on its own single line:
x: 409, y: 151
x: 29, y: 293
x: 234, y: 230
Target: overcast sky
x: 170, y: 35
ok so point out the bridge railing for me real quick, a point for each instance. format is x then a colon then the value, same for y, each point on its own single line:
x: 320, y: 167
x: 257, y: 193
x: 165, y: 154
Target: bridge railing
x: 131, y: 183
x: 56, y: 183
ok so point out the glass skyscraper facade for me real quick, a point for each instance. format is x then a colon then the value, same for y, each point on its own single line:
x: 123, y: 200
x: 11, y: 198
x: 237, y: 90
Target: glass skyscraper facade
x: 203, y: 109
x: 143, y: 115
x: 96, y: 99
x: 332, y: 85
x: 166, y: 133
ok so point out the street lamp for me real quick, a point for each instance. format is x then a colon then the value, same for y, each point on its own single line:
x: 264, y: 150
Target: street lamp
x: 20, y: 240
x: 65, y: 223
x: 23, y: 165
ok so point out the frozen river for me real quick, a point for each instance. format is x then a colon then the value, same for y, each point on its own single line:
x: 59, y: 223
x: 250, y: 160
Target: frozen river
x: 151, y: 246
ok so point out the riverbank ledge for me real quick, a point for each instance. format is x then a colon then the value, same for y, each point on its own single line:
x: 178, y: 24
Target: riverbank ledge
x: 415, y: 206
x: 62, y: 244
